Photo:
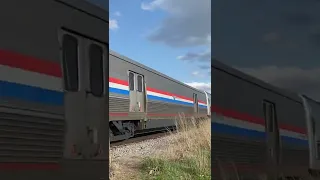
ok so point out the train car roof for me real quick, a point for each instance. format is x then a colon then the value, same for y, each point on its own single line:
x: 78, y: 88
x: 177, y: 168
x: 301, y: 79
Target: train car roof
x: 88, y: 7
x: 113, y: 53
x: 232, y: 71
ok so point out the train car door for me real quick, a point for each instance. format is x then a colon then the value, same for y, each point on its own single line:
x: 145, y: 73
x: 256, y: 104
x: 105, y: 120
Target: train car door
x: 208, y: 103
x: 195, y: 103
x: 136, y: 92
x: 272, y: 137
x: 312, y: 117
x: 83, y: 65
x: 96, y: 67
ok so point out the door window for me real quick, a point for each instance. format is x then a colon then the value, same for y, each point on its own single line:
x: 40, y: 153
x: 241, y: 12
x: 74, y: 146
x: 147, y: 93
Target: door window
x: 269, y: 115
x: 70, y: 63
x: 140, y: 83
x: 131, y: 81
x: 96, y: 70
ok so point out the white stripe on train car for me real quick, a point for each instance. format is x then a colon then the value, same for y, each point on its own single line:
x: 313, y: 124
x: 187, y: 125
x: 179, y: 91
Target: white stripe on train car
x: 255, y: 127
x: 284, y: 132
x: 118, y: 86
x: 159, y: 95
x: 29, y: 78
x: 152, y: 93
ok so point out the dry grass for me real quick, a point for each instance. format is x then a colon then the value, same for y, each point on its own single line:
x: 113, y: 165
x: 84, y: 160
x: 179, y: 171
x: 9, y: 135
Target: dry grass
x: 188, y: 157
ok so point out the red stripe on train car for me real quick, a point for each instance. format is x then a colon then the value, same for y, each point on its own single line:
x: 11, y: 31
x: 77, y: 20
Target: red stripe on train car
x: 237, y: 115
x: 293, y: 128
x: 29, y: 63
x: 123, y: 82
x: 118, y: 81
x: 252, y: 119
x: 29, y: 166
x: 168, y: 93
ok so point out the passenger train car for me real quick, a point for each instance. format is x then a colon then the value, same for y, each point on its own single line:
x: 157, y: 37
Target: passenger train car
x: 258, y: 129
x: 53, y: 120
x: 144, y: 100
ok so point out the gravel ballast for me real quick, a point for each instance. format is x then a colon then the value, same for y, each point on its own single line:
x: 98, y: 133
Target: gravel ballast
x: 128, y: 156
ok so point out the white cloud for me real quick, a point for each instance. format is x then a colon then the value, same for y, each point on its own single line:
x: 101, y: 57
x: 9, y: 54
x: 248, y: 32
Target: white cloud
x: 296, y: 79
x: 196, y: 73
x: 188, y: 23
x: 113, y: 24
x: 117, y: 13
x: 201, y: 74
x: 152, y: 5
x: 201, y: 86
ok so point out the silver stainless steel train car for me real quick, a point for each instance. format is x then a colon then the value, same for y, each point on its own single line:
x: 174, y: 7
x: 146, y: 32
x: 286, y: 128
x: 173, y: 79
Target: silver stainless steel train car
x: 52, y: 90
x: 260, y: 129
x: 142, y: 99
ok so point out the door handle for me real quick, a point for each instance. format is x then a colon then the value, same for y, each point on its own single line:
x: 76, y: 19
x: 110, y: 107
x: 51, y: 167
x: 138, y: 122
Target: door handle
x: 271, y: 152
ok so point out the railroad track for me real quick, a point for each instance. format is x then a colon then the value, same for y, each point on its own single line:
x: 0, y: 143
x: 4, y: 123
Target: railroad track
x: 142, y: 137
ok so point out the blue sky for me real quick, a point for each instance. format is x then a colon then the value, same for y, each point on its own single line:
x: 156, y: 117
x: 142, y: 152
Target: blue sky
x: 157, y: 34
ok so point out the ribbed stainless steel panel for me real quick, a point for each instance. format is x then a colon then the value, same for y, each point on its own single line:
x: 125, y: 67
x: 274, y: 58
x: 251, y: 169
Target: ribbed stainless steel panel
x: 168, y: 108
x: 30, y: 139
x: 118, y: 103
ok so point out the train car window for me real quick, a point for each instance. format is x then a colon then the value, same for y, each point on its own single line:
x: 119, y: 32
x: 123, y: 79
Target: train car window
x: 96, y: 70
x: 140, y: 83
x: 131, y: 81
x: 271, y: 118
x: 269, y: 115
x: 70, y: 63
x: 265, y: 113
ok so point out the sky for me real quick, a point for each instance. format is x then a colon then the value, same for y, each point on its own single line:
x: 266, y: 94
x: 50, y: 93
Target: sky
x: 172, y: 37
x: 276, y: 41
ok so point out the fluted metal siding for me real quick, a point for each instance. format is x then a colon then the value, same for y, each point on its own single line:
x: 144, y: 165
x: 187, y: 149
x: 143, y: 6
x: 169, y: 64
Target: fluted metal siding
x: 155, y: 109
x: 118, y: 103
x: 233, y: 155
x: 120, y: 65
x: 30, y: 138
x: 168, y: 108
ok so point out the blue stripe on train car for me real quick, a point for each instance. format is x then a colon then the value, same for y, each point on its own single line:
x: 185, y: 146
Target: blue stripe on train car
x: 152, y: 97
x: 236, y: 131
x: 29, y: 93
x: 45, y: 96
x: 118, y: 91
